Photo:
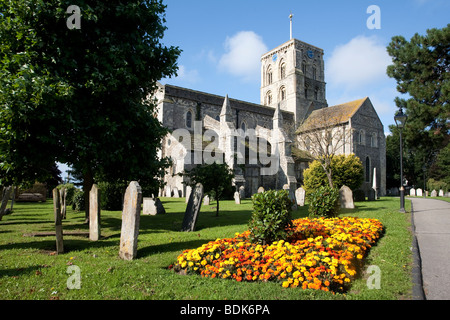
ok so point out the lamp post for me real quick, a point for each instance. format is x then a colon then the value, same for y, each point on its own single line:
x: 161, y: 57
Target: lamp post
x: 400, y: 120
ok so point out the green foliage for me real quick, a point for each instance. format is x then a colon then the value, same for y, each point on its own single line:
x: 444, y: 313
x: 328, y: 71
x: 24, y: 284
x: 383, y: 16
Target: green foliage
x: 78, y: 201
x: 81, y: 96
x: 324, y: 202
x: 437, y: 185
x: 111, y: 195
x: 271, y: 217
x: 346, y: 170
x: 215, y: 178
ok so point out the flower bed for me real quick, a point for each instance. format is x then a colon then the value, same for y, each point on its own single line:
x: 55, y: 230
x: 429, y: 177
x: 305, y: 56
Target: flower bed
x: 323, y: 254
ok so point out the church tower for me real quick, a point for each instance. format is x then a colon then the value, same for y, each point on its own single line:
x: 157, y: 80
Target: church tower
x: 292, y: 75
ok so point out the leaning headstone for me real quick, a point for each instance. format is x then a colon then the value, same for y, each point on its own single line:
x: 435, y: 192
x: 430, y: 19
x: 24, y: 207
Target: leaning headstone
x: 434, y: 193
x: 188, y: 193
x: 261, y: 190
x: 237, y: 198
x: 300, y: 196
x: 242, y: 192
x: 206, y: 200
x: 193, y: 208
x: 346, y: 198
x: 419, y: 192
x: 153, y: 206
x: 441, y: 193
x: 58, y: 222
x: 176, y: 194
x: 412, y: 192
x: 94, y: 213
x: 130, y: 221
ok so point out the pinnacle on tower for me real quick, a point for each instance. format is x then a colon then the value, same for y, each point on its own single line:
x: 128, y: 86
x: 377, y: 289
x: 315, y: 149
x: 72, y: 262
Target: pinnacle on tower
x: 226, y: 110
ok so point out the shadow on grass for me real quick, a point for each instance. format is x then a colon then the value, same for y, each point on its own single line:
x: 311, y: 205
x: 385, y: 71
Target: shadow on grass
x: 171, y: 247
x: 20, y: 271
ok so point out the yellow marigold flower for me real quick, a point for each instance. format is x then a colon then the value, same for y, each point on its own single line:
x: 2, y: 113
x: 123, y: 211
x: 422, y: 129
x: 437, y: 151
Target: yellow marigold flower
x: 285, y: 284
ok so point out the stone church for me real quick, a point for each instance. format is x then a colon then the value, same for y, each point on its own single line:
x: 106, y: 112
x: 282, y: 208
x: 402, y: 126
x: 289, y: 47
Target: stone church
x: 264, y: 143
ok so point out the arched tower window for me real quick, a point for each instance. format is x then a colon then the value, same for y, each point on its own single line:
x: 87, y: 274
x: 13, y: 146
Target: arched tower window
x: 282, y: 94
x: 268, y: 98
x: 314, y: 70
x: 282, y: 70
x: 361, y: 137
x: 269, y: 78
x: 243, y: 126
x: 304, y: 67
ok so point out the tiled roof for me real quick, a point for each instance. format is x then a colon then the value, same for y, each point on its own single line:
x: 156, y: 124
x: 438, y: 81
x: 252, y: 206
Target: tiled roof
x: 332, y: 115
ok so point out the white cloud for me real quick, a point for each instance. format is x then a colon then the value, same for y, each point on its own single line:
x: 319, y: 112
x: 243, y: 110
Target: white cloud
x: 360, y: 62
x: 185, y: 75
x: 243, y: 55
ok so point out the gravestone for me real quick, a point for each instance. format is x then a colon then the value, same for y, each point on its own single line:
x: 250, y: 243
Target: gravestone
x: 434, y: 193
x: 237, y: 198
x: 242, y: 192
x: 130, y: 221
x: 188, y: 193
x: 261, y: 190
x: 206, y: 200
x: 419, y: 192
x: 168, y: 192
x: 193, y: 208
x: 346, y: 198
x: 94, y: 213
x: 300, y: 196
x: 176, y: 193
x: 441, y: 193
x: 5, y: 197
x: 371, y: 194
x: 412, y: 192
x: 62, y: 201
x: 58, y: 222
x: 153, y: 206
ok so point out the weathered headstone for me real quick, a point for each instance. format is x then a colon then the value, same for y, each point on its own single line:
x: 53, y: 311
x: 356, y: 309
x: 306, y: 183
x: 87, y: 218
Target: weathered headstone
x: 300, y: 196
x: 193, y: 208
x: 5, y: 197
x: 242, y: 192
x: 346, y: 198
x: 206, y: 200
x: 130, y: 221
x: 412, y: 192
x: 62, y: 201
x: 371, y: 194
x: 153, y: 206
x: 168, y: 192
x: 434, y: 193
x: 94, y: 213
x: 441, y: 193
x: 419, y: 192
x: 261, y: 190
x: 58, y: 222
x: 176, y: 193
x: 237, y: 198
x: 188, y: 193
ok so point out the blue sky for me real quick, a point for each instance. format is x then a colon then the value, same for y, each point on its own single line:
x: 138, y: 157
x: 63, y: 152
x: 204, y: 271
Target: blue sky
x: 222, y: 42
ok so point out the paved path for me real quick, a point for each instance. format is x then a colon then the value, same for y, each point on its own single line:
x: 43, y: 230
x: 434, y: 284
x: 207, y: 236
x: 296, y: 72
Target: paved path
x: 432, y: 229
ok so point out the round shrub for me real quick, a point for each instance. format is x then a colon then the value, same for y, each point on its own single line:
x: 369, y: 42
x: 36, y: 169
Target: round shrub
x: 324, y: 202
x: 78, y: 200
x: 111, y: 195
x: 271, y: 217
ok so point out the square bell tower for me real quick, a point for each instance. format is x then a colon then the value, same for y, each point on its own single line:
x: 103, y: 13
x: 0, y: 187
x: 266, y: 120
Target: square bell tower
x: 292, y: 75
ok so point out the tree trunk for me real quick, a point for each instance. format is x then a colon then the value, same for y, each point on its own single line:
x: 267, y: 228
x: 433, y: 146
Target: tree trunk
x: 88, y: 181
x: 217, y: 208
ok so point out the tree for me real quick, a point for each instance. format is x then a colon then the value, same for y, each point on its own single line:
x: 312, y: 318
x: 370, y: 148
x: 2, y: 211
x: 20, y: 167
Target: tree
x: 81, y: 96
x: 323, y: 135
x: 215, y: 178
x: 421, y: 69
x: 346, y: 170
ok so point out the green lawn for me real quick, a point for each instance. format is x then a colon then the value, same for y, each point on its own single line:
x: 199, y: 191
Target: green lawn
x: 29, y: 269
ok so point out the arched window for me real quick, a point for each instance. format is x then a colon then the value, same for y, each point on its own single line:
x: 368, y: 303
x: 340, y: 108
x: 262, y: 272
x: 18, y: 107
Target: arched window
x: 373, y: 140
x: 314, y: 70
x: 217, y: 118
x: 282, y: 94
x: 282, y: 70
x: 316, y: 94
x: 269, y: 75
x: 268, y: 98
x: 243, y: 126
x: 367, y: 169
x: 304, y: 67
x: 361, y: 137
x: 189, y: 119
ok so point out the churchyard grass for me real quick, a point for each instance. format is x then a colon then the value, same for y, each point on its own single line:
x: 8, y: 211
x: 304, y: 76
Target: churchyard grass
x: 30, y: 269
